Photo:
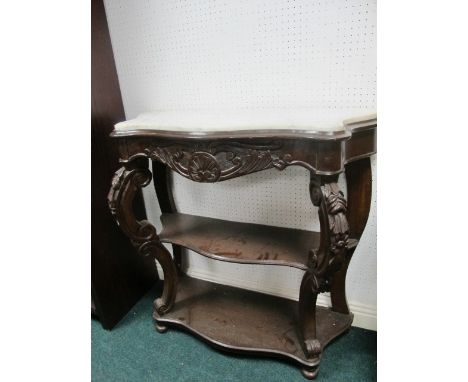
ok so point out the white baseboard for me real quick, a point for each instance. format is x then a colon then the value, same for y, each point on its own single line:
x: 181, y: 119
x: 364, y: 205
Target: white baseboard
x: 365, y: 316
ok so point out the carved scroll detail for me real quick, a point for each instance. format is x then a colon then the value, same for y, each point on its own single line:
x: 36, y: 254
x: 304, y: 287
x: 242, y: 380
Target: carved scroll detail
x: 124, y: 185
x: 324, y: 262
x: 155, y: 249
x: 203, y: 167
x: 337, y: 224
x: 217, y: 161
x: 126, y: 182
x: 313, y: 347
x: 334, y: 231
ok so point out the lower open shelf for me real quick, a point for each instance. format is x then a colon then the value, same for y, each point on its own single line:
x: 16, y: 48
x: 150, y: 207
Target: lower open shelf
x: 243, y: 321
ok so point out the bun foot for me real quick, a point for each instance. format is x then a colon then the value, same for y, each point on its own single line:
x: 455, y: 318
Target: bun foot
x: 160, y: 328
x: 310, y: 373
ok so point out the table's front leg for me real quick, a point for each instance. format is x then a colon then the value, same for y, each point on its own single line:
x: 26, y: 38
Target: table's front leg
x: 127, y: 181
x: 307, y: 309
x: 325, y: 261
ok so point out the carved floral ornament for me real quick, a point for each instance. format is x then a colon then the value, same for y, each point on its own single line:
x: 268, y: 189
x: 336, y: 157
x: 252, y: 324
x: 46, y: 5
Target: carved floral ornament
x: 203, y: 167
x: 338, y: 224
x: 332, y: 204
x: 115, y: 189
x: 213, y: 163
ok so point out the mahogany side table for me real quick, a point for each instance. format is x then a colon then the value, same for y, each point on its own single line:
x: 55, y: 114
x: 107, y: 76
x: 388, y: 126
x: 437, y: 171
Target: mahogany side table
x: 231, y: 318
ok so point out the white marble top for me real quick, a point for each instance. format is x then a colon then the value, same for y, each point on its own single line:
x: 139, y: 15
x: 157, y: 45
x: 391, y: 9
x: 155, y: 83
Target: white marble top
x: 261, y: 119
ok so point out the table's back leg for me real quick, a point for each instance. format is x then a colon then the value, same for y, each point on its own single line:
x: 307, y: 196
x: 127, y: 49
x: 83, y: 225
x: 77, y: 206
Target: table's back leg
x: 126, y: 182
x: 338, y: 286
x: 162, y: 185
x: 359, y: 185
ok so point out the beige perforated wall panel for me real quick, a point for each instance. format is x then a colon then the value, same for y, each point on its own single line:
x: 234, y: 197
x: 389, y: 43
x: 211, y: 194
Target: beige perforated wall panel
x: 181, y: 55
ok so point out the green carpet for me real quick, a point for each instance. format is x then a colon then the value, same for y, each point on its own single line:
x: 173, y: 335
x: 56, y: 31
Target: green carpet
x: 135, y: 352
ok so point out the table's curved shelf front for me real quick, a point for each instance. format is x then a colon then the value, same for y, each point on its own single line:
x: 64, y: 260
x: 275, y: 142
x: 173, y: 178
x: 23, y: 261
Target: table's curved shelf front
x: 238, y: 320
x: 236, y: 242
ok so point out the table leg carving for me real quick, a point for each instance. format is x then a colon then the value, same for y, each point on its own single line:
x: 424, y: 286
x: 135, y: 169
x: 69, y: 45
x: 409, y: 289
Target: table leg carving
x: 156, y: 250
x: 327, y: 260
x: 126, y: 182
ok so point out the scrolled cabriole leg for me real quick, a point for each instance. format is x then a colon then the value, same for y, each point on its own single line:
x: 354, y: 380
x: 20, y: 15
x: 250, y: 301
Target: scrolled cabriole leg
x: 340, y: 252
x: 127, y: 181
x: 156, y: 250
x: 325, y: 261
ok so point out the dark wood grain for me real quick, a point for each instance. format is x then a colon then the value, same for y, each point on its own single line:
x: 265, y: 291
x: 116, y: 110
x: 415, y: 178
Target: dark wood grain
x: 246, y: 322
x: 239, y: 242
x: 359, y: 185
x: 118, y: 277
x: 362, y: 144
x: 236, y: 242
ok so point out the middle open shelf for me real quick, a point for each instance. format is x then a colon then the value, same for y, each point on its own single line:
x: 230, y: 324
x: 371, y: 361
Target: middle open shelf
x: 240, y: 242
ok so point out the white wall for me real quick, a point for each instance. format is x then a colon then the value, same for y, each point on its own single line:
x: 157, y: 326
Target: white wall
x: 251, y: 54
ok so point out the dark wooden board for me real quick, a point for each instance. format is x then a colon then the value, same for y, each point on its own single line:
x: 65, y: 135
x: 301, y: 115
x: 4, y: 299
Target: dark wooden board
x: 247, y: 322
x: 236, y: 242
x: 239, y: 242
x: 119, y: 276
